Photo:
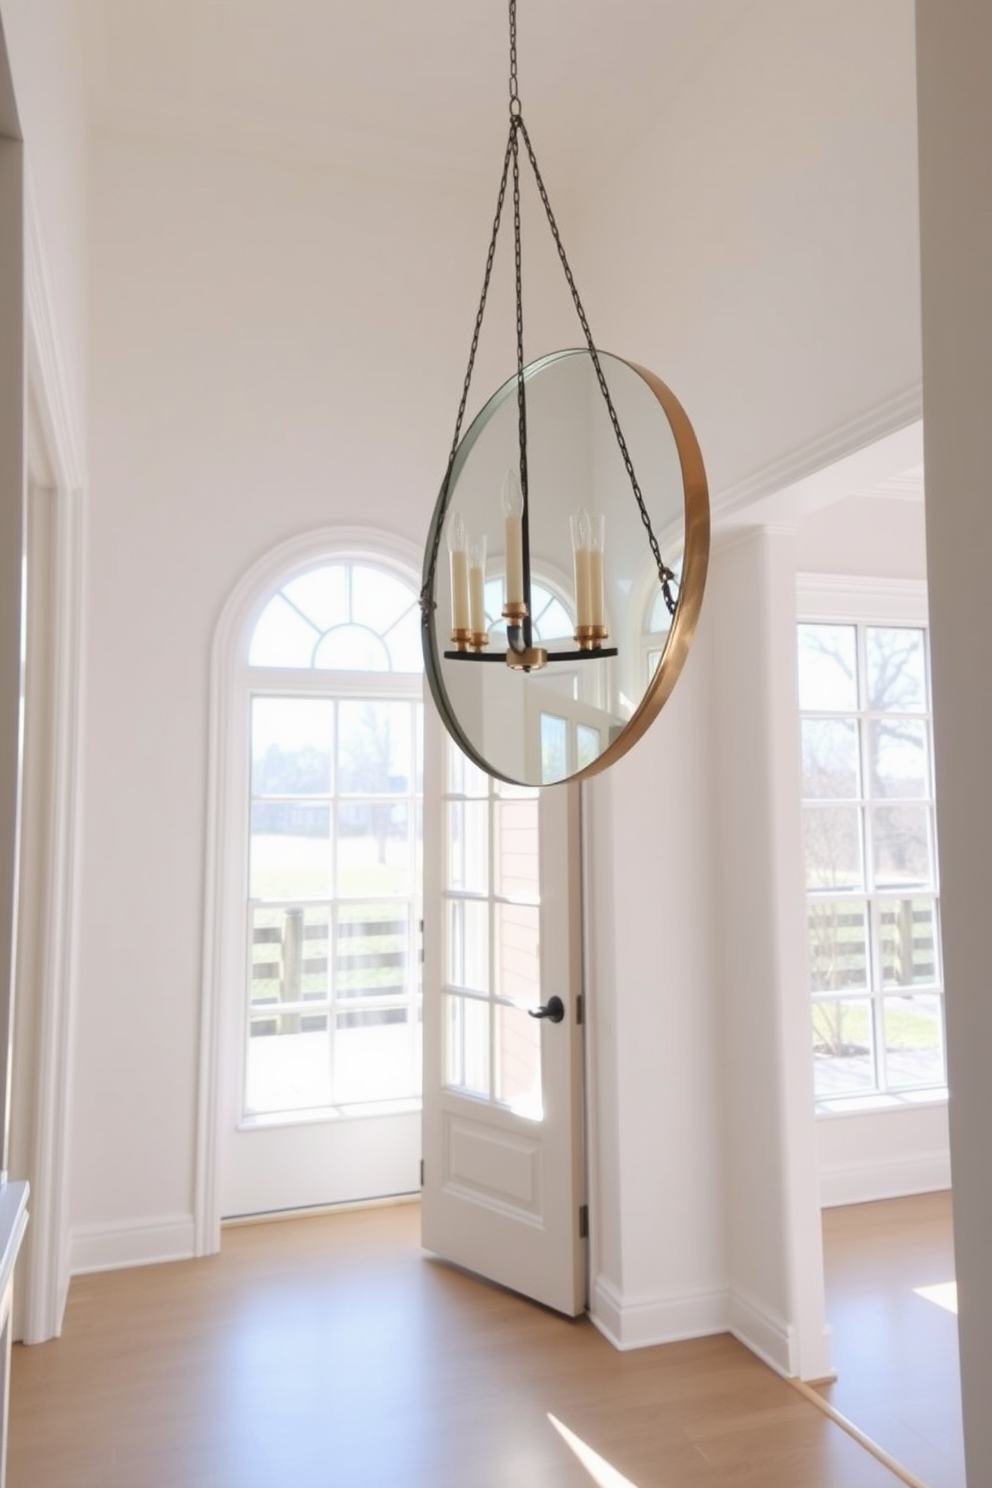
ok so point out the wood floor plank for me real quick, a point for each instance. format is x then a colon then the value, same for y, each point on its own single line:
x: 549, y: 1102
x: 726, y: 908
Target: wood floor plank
x: 330, y: 1352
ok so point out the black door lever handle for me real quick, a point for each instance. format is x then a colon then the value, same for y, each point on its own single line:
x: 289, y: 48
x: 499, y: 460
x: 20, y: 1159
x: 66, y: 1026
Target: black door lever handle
x: 553, y: 1010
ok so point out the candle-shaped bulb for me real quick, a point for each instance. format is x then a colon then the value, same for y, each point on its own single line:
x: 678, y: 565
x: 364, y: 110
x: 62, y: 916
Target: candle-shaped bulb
x: 458, y: 549
x: 597, y: 575
x: 477, y: 586
x: 581, y: 553
x: 513, y: 512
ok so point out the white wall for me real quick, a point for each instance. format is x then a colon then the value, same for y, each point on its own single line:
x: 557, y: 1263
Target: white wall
x: 277, y: 346
x: 45, y: 48
x: 756, y: 245
x: 956, y: 230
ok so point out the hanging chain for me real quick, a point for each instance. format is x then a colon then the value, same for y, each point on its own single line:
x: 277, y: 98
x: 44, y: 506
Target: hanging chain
x: 427, y: 602
x: 665, y: 574
x: 517, y: 127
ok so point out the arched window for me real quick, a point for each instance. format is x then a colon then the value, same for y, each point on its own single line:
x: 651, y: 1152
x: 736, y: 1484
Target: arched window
x: 333, y: 989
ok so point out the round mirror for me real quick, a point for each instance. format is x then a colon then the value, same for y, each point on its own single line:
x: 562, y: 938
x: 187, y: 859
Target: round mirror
x: 567, y: 690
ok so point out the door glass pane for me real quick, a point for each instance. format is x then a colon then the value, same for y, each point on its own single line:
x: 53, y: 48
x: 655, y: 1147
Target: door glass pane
x: 900, y: 765
x: 914, y: 1041
x: 517, y: 861
x: 290, y: 853
x: 908, y: 935
x: 832, y: 837
x: 830, y: 759
x: 468, y: 944
x: 289, y: 1064
x: 288, y: 955
x: 468, y: 846
x: 464, y: 778
x: 518, y: 946
x: 375, y: 749
x: 466, y: 1044
x: 838, y: 945
x: 901, y: 846
x: 896, y: 660
x: 843, y: 1062
x: 518, y: 1062
x: 828, y: 677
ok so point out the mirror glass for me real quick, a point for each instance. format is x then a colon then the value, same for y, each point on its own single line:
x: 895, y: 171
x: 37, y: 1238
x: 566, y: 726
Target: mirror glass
x: 583, y: 708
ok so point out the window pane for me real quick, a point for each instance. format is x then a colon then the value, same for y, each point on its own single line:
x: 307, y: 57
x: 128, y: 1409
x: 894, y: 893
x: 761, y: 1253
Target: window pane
x: 374, y: 850
x: 896, y: 670
x: 842, y: 1047
x: 589, y: 745
x: 375, y: 748
x: 901, y: 846
x: 517, y: 855
x: 291, y: 746
x: 289, y: 1067
x: 900, y: 765
x: 914, y: 1041
x: 466, y: 1044
x: 468, y: 845
x: 518, y: 962
x: 372, y: 1048
x: 553, y: 623
x: 289, y: 952
x: 351, y: 648
x: 908, y: 935
x: 406, y: 652
x: 518, y: 1062
x: 378, y: 599
x: 282, y: 637
x: 832, y: 836
x: 554, y: 748
x: 290, y: 854
x: 830, y: 759
x: 838, y: 945
x: 322, y: 595
x: 371, y: 950
x: 468, y: 944
x: 828, y: 678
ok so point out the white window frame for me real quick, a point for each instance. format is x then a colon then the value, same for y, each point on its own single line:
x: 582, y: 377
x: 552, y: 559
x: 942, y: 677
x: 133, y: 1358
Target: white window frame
x: 222, y: 1006
x: 866, y: 601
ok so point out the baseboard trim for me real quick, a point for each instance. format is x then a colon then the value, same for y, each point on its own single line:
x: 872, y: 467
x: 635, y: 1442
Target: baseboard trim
x: 763, y: 1332
x: 642, y: 1322
x: 865, y: 1183
x: 170, y: 1237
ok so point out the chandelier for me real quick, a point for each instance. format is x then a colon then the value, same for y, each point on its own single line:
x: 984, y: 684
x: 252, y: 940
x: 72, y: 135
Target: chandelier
x: 492, y: 721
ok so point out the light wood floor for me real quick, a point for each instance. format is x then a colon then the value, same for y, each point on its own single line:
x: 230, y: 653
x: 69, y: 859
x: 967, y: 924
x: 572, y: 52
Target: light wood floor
x: 896, y: 1353
x: 331, y: 1353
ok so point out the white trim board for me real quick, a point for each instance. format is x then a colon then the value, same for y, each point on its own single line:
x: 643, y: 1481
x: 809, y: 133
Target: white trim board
x: 169, y: 1237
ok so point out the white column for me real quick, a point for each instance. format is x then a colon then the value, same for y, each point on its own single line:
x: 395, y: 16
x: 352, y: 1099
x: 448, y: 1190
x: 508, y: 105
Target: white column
x: 776, y: 1253
x: 954, y: 43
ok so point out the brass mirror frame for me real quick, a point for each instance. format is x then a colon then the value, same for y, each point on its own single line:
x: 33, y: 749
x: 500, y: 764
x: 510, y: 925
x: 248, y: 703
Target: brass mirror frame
x: 695, y: 563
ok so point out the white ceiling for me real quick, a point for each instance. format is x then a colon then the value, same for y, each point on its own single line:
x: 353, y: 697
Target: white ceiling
x: 391, y: 79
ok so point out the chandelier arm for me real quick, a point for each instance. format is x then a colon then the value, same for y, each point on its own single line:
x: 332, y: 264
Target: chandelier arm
x: 665, y: 574
x: 426, y: 593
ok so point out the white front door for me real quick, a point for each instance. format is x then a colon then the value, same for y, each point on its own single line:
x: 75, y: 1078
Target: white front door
x: 503, y: 1169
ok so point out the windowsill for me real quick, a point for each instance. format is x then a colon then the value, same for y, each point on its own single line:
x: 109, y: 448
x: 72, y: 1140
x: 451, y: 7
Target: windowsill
x: 873, y: 1103
x: 320, y: 1114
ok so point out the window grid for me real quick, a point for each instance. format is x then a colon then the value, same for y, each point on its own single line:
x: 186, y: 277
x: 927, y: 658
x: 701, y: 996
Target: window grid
x: 491, y: 910
x: 872, y: 893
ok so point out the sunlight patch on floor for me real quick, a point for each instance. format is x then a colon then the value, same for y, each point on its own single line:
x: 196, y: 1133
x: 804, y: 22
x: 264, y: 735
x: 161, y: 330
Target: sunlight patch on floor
x: 597, y: 1467
x: 945, y: 1294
